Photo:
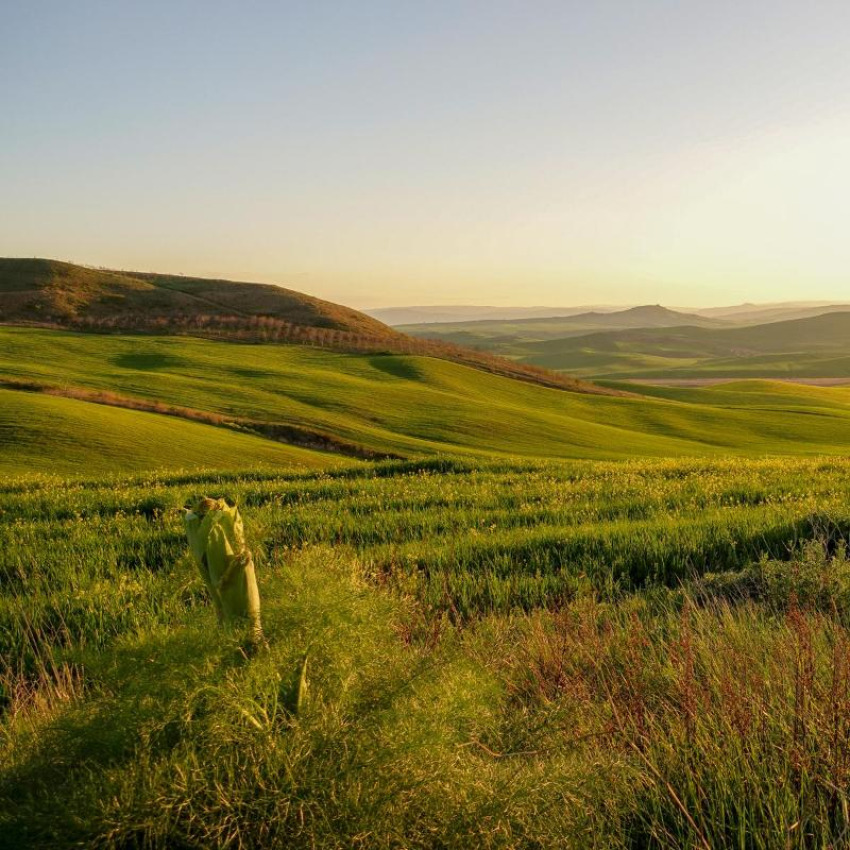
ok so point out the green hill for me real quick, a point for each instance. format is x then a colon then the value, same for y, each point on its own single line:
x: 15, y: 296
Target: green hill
x: 40, y: 433
x: 412, y: 406
x: 54, y: 294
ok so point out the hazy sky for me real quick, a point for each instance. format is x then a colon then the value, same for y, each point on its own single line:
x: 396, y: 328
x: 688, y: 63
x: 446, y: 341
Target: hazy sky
x: 690, y: 152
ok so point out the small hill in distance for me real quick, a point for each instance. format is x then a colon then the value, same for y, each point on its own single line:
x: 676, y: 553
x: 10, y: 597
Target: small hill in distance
x: 646, y: 316
x: 739, y: 314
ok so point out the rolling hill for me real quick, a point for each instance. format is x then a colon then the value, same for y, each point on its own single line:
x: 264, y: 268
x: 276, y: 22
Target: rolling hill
x: 61, y: 295
x: 817, y: 347
x: 41, y: 433
x: 405, y: 406
x: 131, y: 400
x: 511, y: 338
x: 52, y: 292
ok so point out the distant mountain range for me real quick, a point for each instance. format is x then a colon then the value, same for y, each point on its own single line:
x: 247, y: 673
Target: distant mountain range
x: 396, y: 316
x: 810, y: 340
x: 756, y: 314
x: 811, y: 347
x: 509, y: 336
x: 735, y: 314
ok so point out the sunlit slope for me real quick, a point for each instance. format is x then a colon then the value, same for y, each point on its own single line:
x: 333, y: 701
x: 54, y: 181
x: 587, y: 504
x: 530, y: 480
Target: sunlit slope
x: 418, y: 405
x: 36, y: 290
x: 41, y: 433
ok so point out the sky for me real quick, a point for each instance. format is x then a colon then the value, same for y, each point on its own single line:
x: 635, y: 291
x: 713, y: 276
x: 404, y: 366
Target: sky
x: 687, y: 152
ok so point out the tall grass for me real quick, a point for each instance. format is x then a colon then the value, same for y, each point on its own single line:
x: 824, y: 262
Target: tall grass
x: 502, y: 655
x: 735, y: 721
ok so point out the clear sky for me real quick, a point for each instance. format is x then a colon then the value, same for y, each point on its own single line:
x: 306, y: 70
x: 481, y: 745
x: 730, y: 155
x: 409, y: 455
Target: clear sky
x: 689, y: 152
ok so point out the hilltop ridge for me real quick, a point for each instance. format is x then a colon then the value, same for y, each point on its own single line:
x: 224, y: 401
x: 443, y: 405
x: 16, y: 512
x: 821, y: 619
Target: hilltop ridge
x: 53, y: 292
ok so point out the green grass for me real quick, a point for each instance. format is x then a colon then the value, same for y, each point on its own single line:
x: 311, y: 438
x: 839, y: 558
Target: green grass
x: 501, y: 651
x: 507, y: 654
x: 40, y: 433
x: 413, y: 406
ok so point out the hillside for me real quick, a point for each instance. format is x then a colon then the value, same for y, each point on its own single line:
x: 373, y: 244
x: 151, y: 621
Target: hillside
x: 646, y: 316
x: 61, y: 295
x: 812, y: 347
x: 51, y: 292
x: 405, y: 406
x: 40, y: 433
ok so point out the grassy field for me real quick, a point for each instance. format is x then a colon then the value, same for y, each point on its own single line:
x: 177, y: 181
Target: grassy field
x: 522, y: 632
x: 41, y: 433
x: 506, y: 654
x: 412, y: 406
